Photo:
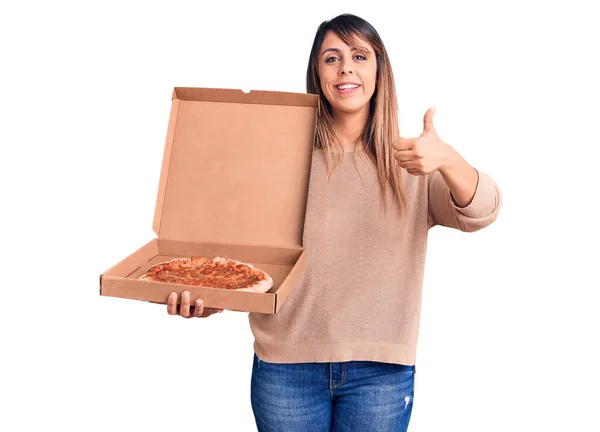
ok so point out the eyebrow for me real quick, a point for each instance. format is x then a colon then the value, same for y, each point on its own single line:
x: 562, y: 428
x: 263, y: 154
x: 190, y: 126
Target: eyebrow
x: 339, y: 50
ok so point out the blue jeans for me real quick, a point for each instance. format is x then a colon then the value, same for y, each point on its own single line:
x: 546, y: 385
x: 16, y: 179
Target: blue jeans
x: 356, y: 396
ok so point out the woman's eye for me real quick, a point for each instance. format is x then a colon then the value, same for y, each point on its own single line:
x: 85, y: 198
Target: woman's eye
x: 331, y: 58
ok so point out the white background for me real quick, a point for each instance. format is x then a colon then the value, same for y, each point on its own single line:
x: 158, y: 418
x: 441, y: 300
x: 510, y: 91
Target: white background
x: 508, y: 338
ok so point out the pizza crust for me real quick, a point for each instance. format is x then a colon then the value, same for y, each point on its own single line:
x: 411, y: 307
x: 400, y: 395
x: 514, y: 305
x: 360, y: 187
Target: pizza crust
x: 261, y: 286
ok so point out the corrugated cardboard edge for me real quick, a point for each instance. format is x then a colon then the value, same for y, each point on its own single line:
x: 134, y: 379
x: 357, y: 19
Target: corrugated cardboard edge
x: 166, y: 162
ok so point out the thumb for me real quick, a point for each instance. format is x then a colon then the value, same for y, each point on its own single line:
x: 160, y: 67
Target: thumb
x: 428, y: 121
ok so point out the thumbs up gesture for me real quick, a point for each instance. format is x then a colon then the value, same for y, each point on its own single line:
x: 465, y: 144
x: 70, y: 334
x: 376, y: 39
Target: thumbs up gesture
x: 422, y: 155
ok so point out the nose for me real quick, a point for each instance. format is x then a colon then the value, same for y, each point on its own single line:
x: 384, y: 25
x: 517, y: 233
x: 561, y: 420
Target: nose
x: 345, y: 67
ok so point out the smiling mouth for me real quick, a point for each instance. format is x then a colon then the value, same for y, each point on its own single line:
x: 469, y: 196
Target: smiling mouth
x: 346, y: 88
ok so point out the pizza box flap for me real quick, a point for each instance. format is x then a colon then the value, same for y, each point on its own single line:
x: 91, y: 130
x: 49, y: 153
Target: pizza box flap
x: 236, y: 167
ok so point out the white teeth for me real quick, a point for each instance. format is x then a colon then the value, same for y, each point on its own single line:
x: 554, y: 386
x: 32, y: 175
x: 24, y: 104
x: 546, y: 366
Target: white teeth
x: 347, y: 86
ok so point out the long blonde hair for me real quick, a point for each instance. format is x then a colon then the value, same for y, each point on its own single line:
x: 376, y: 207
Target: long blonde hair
x: 381, y: 129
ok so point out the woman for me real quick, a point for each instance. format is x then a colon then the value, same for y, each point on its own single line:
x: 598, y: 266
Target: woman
x: 340, y: 355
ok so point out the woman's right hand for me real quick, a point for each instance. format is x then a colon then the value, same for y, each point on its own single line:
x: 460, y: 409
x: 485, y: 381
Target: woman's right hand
x: 186, y: 310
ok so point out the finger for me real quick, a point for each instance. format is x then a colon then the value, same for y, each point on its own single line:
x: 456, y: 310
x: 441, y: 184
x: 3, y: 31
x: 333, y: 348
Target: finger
x: 406, y: 164
x: 404, y: 143
x: 185, y: 304
x: 172, y: 304
x: 199, y: 308
x: 412, y: 165
x: 405, y: 155
x: 428, y: 121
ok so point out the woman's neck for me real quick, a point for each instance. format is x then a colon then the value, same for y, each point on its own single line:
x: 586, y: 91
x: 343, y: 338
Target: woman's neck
x: 350, y: 126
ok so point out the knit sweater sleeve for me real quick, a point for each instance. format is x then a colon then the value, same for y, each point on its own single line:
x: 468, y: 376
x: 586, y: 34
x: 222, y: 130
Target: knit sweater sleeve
x: 479, y: 213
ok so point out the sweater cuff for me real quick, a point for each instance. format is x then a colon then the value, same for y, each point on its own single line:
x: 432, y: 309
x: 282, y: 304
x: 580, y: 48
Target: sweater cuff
x: 484, y: 200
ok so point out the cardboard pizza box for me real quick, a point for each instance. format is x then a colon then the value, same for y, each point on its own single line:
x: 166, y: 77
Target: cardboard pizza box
x: 234, y: 183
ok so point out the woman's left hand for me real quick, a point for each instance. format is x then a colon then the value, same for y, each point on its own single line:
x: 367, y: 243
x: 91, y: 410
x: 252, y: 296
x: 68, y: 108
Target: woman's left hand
x: 424, y: 154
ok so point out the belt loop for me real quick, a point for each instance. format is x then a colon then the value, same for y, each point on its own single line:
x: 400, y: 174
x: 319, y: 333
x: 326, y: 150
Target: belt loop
x: 257, y: 360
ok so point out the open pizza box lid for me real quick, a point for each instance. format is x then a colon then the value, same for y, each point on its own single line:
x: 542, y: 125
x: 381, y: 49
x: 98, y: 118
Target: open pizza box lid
x: 234, y: 183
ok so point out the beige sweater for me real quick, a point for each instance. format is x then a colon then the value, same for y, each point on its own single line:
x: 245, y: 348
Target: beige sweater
x: 359, y: 297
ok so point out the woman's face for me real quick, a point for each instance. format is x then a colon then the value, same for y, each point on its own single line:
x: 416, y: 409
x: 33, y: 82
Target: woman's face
x: 338, y: 63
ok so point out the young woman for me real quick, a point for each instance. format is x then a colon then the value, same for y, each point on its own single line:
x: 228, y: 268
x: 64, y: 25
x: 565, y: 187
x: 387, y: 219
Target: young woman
x: 340, y: 355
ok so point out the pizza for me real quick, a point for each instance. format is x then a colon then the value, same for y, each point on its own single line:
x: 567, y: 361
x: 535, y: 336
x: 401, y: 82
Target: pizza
x: 218, y: 272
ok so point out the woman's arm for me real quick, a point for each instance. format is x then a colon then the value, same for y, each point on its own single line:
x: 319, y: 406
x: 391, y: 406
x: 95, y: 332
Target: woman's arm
x: 460, y: 177
x: 462, y: 197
